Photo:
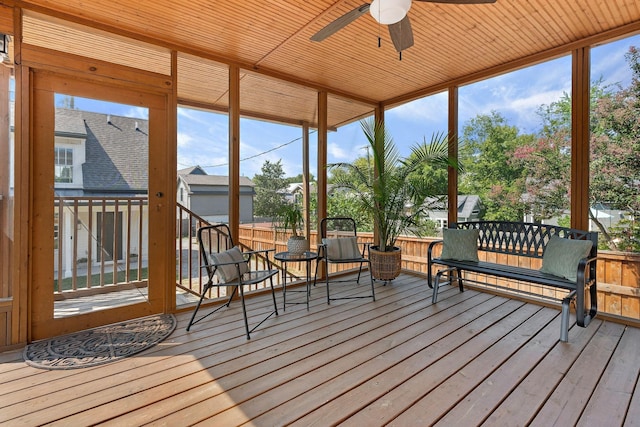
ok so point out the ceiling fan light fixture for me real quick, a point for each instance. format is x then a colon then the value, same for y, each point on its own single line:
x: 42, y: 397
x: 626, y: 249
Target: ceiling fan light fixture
x: 389, y: 11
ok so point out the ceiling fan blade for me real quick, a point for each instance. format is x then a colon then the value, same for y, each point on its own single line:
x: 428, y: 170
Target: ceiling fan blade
x: 401, y: 34
x: 340, y: 23
x: 459, y: 1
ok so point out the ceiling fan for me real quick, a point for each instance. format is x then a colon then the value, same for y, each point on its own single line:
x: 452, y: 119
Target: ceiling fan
x: 388, y: 12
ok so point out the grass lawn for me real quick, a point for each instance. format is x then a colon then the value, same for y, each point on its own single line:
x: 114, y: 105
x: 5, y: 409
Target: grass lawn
x: 81, y: 281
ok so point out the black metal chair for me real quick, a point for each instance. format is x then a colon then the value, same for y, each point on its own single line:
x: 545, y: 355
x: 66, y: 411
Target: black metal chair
x: 227, y: 266
x: 340, y: 246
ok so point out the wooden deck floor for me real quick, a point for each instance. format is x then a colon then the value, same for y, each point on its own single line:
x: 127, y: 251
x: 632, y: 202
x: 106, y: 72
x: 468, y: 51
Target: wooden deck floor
x: 472, y: 359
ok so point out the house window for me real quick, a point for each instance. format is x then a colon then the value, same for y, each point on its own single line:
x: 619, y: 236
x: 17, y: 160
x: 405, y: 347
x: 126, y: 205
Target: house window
x: 182, y: 194
x: 63, y: 160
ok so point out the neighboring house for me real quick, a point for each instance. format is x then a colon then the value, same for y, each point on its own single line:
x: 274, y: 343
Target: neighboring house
x: 100, y: 154
x: 295, y: 191
x: 93, y: 161
x: 208, y: 195
x: 605, y: 215
x: 469, y: 207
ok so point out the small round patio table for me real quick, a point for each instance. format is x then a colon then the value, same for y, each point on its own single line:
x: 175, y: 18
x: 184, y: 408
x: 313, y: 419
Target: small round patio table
x: 287, y: 257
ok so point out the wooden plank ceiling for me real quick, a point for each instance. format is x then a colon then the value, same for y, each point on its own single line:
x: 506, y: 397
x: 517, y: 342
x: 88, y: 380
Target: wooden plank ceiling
x: 282, y: 70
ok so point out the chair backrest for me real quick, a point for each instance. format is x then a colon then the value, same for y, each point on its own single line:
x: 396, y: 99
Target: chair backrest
x: 340, y: 237
x: 213, y: 239
x: 333, y: 227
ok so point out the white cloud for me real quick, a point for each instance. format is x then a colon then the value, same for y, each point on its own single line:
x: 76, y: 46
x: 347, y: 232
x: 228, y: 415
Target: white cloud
x: 518, y: 95
x: 430, y: 109
x: 336, y: 152
x: 137, y: 112
x: 184, y: 139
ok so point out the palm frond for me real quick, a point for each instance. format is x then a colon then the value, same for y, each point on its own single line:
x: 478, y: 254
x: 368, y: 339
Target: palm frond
x: 395, y: 199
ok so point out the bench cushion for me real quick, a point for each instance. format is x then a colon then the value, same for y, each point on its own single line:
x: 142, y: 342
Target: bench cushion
x: 460, y: 244
x: 561, y: 256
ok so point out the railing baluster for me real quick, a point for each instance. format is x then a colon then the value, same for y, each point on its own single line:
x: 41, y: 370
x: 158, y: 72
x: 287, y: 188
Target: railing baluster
x: 180, y: 248
x: 189, y: 245
x: 60, y: 244
x: 100, y: 243
x: 140, y: 251
x: 127, y: 253
x: 89, y: 243
x: 114, y: 253
x: 74, y: 236
x: 200, y: 278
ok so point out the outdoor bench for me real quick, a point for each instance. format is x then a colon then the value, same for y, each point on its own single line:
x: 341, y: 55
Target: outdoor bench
x: 569, y: 264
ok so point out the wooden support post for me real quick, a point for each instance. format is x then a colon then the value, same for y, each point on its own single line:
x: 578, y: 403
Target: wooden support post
x: 306, y: 200
x: 234, y: 156
x: 322, y: 167
x: 169, y: 297
x: 21, y: 315
x: 580, y: 115
x: 234, y: 152
x: 452, y: 189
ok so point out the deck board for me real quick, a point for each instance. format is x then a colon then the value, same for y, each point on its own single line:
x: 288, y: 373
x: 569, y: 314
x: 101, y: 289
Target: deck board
x: 472, y: 358
x: 566, y: 403
x: 612, y: 396
x: 406, y: 364
x: 442, y: 399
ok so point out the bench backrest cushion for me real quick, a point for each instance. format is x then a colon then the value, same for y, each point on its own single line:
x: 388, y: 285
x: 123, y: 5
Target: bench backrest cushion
x: 460, y: 244
x: 561, y: 256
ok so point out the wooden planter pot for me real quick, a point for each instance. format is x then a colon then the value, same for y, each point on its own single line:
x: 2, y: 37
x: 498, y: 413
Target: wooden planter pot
x: 385, y: 265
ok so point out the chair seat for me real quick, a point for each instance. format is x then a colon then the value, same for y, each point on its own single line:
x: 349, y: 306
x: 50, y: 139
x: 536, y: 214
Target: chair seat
x: 252, y: 277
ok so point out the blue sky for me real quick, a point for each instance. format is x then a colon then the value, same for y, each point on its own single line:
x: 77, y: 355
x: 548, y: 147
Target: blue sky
x: 202, y: 136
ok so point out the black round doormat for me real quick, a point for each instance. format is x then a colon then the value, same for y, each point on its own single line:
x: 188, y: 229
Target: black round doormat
x: 100, y: 345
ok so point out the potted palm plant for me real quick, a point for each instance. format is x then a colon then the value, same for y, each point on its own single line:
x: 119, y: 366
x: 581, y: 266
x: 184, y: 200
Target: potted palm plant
x: 394, y: 195
x: 290, y: 217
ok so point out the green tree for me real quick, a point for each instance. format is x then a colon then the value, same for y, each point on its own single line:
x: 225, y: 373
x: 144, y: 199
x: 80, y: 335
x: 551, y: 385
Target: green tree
x: 298, y: 178
x: 546, y: 161
x: 340, y: 175
x: 270, y: 189
x: 340, y: 203
x: 487, y: 150
x: 433, y: 176
x: 614, y: 158
x: 340, y: 200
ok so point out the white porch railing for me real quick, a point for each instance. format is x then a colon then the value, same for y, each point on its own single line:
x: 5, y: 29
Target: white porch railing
x: 99, y: 241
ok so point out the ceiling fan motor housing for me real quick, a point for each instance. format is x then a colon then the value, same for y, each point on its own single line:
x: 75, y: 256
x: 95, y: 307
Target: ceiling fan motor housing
x: 389, y: 11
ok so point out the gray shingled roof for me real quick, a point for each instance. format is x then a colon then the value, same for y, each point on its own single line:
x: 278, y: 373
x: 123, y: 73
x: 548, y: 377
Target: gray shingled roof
x: 70, y: 123
x: 117, y: 153
x: 222, y: 180
x: 192, y: 170
x: 466, y: 204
